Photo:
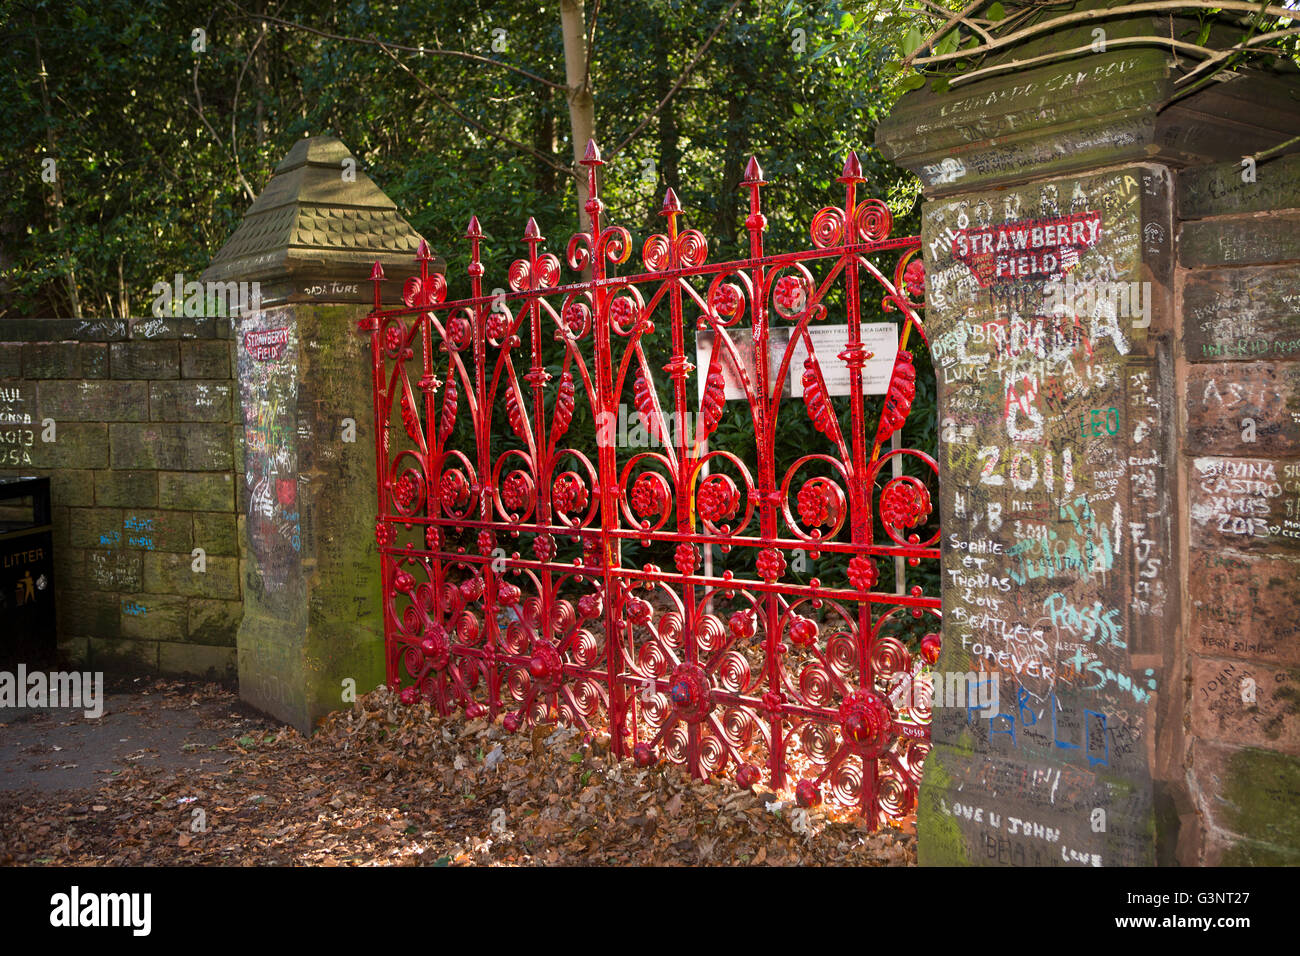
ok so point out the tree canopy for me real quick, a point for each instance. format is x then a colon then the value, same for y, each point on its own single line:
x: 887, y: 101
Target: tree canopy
x: 164, y: 118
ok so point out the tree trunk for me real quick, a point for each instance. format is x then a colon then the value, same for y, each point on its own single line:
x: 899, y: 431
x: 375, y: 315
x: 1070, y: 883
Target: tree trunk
x: 582, y: 104
x: 123, y: 298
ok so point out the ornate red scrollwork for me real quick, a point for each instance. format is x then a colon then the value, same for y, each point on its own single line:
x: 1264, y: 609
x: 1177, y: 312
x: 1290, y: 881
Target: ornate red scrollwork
x: 690, y: 692
x: 650, y: 494
x: 718, y: 499
x: 569, y: 494
x: 771, y: 564
x: 546, y: 666
x: 905, y: 502
x: 542, y: 563
x: 866, y: 722
x: 930, y: 645
x: 436, y: 648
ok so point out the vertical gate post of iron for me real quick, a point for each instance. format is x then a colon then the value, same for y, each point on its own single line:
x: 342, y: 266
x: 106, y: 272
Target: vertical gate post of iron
x: 859, y: 491
x: 483, y: 441
x: 371, y: 324
x: 677, y: 368
x: 423, y: 257
x: 755, y: 225
x: 607, y: 466
x: 537, y: 377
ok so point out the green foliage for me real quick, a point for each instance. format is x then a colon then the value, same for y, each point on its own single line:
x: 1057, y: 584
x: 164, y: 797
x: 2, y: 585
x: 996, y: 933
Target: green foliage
x: 152, y: 172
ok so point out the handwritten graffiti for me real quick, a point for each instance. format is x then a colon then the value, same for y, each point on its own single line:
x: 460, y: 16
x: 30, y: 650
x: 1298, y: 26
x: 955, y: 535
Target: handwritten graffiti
x: 269, y: 396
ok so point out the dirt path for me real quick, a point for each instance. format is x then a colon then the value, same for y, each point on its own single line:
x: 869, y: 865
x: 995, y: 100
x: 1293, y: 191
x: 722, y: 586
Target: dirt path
x: 170, y: 725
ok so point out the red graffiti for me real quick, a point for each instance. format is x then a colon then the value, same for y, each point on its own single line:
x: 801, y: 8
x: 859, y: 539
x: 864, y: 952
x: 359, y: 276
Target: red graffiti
x: 286, y: 489
x: 1027, y: 249
x: 266, y: 344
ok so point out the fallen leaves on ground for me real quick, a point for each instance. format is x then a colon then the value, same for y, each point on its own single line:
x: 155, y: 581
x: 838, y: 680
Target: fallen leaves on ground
x: 387, y: 784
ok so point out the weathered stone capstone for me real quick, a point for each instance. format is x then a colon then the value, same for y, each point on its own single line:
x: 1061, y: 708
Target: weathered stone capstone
x: 1093, y: 110
x: 318, y: 217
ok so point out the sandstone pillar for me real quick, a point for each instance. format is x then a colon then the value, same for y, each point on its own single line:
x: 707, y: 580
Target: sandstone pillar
x: 311, y: 617
x: 1050, y: 242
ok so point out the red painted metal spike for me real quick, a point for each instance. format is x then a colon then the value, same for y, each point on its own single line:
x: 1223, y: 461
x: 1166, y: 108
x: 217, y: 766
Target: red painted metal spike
x: 531, y: 232
x: 474, y: 230
x: 671, y: 204
x: 377, y: 276
x: 592, y: 156
x: 852, y: 170
x: 755, y: 222
x: 422, y: 253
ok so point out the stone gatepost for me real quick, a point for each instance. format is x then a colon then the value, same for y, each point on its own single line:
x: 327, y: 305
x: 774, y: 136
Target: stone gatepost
x: 312, y: 618
x: 1049, y: 244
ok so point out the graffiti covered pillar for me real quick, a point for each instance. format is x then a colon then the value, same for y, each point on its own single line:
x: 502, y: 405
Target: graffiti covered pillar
x: 1049, y: 249
x: 1049, y: 305
x: 306, y: 248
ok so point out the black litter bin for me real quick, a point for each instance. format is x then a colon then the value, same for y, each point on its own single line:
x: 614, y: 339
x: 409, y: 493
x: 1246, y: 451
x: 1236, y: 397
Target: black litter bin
x: 26, y: 573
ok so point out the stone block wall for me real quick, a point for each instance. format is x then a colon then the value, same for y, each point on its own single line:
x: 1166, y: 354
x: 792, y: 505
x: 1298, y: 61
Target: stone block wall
x: 1238, y: 286
x: 134, y: 423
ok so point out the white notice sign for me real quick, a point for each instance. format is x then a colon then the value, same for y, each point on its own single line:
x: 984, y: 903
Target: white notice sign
x: 743, y: 339
x: 880, y: 339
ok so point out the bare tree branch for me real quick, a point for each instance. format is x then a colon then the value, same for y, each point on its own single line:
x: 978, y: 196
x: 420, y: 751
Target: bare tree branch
x: 234, y: 103
x: 372, y: 40
x: 198, y: 108
x: 1083, y: 16
x: 1178, y: 45
x: 954, y: 20
x: 469, y: 120
x: 1265, y: 153
x: 1222, y: 55
x: 971, y: 22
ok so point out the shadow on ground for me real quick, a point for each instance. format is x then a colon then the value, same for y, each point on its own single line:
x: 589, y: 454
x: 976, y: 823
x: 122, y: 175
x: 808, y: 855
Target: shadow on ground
x: 169, y: 725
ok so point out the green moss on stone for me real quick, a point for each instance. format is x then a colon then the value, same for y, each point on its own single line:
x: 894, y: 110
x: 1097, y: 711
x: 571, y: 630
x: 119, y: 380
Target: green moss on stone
x: 939, y: 840
x: 1262, y: 797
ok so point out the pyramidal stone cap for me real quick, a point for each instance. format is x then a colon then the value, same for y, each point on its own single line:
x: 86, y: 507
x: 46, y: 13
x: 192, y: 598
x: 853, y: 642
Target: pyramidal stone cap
x: 313, y: 229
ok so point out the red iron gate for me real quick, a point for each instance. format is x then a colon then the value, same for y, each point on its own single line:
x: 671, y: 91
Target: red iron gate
x: 505, y: 549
